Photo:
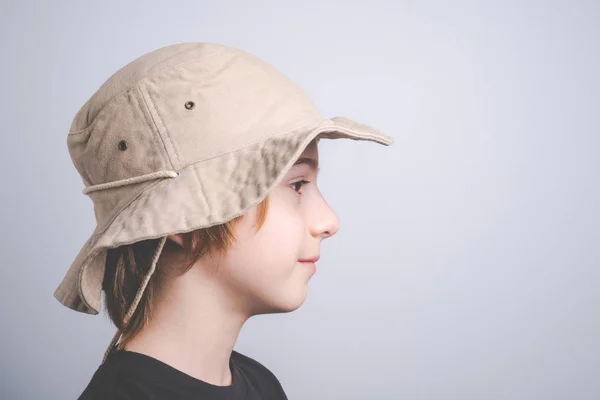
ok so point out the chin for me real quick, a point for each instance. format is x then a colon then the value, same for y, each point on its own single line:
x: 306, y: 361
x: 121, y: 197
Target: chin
x: 288, y: 303
x: 293, y: 307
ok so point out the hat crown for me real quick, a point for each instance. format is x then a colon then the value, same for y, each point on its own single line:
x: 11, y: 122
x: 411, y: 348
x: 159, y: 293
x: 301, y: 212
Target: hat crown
x: 179, y: 105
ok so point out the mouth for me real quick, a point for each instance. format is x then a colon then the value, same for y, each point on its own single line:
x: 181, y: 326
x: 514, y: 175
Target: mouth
x: 312, y: 260
x: 310, y: 264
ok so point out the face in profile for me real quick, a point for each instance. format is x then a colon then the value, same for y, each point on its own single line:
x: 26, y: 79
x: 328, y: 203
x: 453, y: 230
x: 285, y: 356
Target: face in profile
x: 268, y: 270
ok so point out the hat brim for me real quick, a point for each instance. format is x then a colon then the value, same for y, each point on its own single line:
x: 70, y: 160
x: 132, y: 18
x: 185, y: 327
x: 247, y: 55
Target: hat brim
x: 206, y: 193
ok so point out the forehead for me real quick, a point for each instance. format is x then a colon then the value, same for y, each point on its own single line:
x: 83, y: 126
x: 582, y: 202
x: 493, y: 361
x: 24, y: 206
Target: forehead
x: 309, y: 157
x: 311, y: 151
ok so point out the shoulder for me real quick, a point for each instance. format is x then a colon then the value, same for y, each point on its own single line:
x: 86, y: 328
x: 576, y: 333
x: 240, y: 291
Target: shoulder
x: 256, y: 372
x: 109, y: 382
x: 247, y: 363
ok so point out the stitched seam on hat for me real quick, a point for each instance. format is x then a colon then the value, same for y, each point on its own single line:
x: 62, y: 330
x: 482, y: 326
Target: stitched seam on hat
x: 155, y: 126
x: 202, y: 191
x: 91, y: 124
x: 133, y: 85
x: 80, y: 279
x: 85, y: 263
x: 166, y: 129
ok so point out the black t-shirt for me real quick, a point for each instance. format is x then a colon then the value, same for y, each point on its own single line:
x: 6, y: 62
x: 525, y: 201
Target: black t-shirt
x: 128, y: 375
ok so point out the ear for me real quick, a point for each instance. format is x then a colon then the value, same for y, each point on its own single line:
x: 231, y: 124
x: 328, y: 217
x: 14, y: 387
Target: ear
x: 177, y: 239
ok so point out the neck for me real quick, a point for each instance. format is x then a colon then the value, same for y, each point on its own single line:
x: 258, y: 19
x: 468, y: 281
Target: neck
x: 194, y: 330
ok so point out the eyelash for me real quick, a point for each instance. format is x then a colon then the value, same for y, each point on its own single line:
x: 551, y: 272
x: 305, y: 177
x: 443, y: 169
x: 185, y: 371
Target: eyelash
x: 301, y: 183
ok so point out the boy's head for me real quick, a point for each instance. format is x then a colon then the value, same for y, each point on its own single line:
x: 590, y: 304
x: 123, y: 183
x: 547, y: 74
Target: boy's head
x: 200, y: 160
x: 262, y: 260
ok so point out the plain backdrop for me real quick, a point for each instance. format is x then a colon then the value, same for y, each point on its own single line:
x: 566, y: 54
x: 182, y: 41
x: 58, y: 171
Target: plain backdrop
x: 468, y: 261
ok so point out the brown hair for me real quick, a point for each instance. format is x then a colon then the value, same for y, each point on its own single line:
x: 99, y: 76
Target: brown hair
x: 126, y: 267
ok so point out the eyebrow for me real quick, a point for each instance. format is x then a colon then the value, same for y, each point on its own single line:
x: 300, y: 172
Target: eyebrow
x: 311, y: 162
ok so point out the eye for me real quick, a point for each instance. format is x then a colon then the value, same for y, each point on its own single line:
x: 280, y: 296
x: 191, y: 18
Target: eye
x: 297, y: 186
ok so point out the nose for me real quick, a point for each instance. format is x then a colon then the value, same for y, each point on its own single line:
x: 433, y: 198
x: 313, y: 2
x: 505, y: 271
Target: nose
x: 325, y: 222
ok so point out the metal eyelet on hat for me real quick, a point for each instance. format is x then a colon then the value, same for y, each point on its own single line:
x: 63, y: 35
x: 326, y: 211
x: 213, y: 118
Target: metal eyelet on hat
x: 190, y: 105
x: 123, y: 145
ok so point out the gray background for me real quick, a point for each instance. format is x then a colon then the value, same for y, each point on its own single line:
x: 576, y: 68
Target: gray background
x: 467, y: 266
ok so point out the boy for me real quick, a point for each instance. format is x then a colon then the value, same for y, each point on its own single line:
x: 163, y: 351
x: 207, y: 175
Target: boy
x: 201, y: 162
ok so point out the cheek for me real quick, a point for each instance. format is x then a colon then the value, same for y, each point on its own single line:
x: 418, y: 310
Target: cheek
x: 260, y: 261
x: 284, y: 228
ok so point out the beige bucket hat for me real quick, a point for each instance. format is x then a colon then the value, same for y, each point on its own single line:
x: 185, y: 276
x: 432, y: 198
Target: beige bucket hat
x: 185, y: 137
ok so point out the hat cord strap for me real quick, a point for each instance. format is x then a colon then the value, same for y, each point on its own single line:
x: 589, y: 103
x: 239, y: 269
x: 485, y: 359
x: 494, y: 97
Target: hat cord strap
x: 137, y: 298
x: 131, y: 181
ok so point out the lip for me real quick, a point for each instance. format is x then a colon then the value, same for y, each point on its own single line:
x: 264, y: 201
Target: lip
x: 309, y: 264
x: 312, y: 260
